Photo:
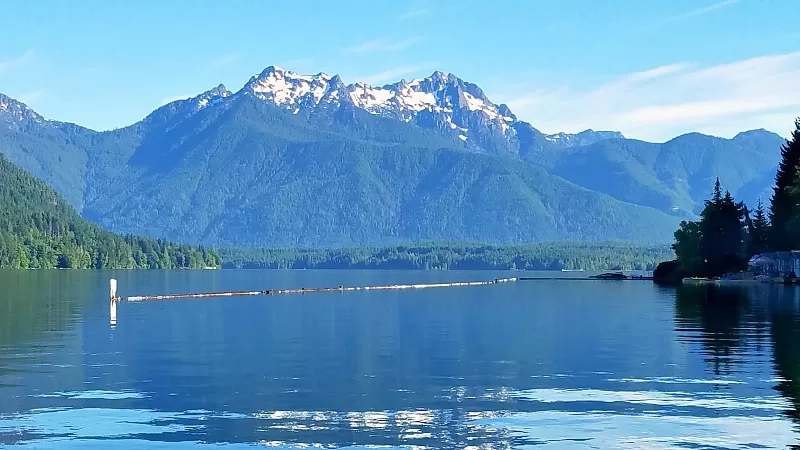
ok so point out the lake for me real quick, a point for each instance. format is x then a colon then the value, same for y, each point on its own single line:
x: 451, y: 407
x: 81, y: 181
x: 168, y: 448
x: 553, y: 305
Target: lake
x: 532, y: 364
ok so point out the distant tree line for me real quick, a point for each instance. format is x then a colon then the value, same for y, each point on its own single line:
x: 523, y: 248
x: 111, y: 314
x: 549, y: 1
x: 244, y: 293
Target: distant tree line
x: 454, y: 256
x: 727, y: 234
x: 39, y: 230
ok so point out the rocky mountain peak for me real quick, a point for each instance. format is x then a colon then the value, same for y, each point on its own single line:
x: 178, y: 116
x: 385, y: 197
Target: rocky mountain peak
x: 440, y: 101
x: 219, y: 91
x: 15, y: 111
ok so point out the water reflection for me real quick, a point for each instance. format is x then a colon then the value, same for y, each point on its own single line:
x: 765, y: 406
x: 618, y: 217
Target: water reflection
x: 35, y: 303
x: 784, y: 304
x: 734, y: 322
x: 546, y: 364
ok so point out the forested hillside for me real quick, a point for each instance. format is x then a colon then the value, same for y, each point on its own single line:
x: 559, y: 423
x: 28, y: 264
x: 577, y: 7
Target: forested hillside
x: 677, y: 175
x: 458, y: 256
x: 39, y: 230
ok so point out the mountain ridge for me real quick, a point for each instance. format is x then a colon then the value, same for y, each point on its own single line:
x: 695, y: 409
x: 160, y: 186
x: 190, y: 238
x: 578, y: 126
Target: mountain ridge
x: 419, y: 153
x: 400, y: 99
x: 437, y: 78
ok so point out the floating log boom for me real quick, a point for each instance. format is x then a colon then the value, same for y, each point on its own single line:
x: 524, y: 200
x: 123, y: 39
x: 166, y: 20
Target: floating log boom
x: 137, y: 298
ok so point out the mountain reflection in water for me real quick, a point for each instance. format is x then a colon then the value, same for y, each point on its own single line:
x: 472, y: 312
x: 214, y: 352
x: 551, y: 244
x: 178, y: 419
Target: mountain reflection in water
x: 556, y: 364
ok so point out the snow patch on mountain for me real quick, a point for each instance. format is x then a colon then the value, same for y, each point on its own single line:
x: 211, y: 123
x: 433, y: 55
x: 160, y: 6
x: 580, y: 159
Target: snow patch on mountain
x: 289, y: 89
x: 369, y: 98
x: 586, y: 137
x: 447, y: 97
x: 441, y: 101
x: 211, y: 97
x: 557, y: 137
x: 17, y: 111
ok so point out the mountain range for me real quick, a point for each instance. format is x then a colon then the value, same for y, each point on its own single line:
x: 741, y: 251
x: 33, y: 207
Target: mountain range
x: 308, y: 161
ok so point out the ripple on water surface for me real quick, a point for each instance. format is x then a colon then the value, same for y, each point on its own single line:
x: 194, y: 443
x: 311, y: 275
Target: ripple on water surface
x: 574, y: 418
x: 550, y: 365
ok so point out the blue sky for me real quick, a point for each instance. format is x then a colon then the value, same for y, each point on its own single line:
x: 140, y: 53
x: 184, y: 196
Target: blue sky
x: 651, y: 69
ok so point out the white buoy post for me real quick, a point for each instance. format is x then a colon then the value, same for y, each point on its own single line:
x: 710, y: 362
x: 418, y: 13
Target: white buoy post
x: 113, y: 307
x: 113, y: 304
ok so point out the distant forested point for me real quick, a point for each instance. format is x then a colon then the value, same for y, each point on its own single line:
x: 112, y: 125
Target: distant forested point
x: 40, y: 230
x: 444, y: 256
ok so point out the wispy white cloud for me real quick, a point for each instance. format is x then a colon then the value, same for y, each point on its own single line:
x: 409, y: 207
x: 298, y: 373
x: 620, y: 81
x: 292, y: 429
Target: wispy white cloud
x: 225, y: 60
x: 175, y: 98
x: 17, y: 61
x: 32, y: 97
x: 414, y: 13
x: 699, y: 11
x: 383, y: 45
x: 394, y: 73
x: 658, y: 103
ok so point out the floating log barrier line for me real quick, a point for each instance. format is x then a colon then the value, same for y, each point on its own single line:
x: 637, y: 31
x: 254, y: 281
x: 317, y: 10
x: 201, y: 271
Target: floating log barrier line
x: 137, y: 298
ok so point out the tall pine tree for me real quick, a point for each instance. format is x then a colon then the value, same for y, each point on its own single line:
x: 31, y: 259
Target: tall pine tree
x: 784, y: 201
x: 722, y: 232
x: 792, y: 226
x: 747, y: 225
x: 758, y: 231
x: 711, y: 229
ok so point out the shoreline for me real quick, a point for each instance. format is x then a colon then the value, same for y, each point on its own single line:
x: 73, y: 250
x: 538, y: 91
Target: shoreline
x: 693, y: 281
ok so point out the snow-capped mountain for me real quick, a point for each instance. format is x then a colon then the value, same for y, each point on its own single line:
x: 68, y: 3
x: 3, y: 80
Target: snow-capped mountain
x: 15, y: 112
x: 586, y: 137
x: 294, y: 91
x: 441, y: 101
x: 307, y: 160
x: 173, y: 112
x: 212, y: 96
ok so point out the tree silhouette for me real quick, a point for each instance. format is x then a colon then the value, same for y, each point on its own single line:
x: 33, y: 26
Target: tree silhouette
x: 784, y: 206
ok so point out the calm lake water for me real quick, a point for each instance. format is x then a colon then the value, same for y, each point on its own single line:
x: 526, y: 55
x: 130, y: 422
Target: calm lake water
x: 544, y: 364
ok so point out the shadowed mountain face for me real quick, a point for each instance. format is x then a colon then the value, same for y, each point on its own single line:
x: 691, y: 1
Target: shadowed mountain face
x: 676, y: 175
x: 297, y: 160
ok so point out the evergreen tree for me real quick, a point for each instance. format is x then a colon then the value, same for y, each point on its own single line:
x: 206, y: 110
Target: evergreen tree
x: 784, y: 201
x: 710, y: 229
x: 792, y: 227
x: 758, y: 232
x: 722, y: 232
x: 716, y: 196
x: 747, y: 225
x: 686, y: 247
x: 39, y: 230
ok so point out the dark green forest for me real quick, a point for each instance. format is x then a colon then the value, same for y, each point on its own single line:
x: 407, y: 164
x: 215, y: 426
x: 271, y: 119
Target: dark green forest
x: 728, y: 234
x: 40, y: 230
x: 453, y: 256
